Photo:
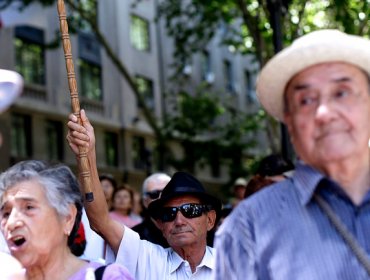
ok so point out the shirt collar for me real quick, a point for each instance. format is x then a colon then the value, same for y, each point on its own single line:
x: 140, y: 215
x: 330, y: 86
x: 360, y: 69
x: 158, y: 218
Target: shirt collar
x: 306, y: 180
x: 208, y: 260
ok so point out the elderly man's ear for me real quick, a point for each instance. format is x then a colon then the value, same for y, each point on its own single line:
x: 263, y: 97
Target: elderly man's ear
x: 211, y: 219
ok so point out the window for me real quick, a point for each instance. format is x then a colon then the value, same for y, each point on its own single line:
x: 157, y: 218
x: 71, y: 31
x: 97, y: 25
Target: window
x: 90, y: 79
x: 21, y: 136
x: 29, y: 54
x: 111, y: 148
x: 145, y: 87
x: 228, y: 74
x: 54, y: 141
x: 250, y: 96
x: 140, y: 153
x: 89, y: 64
x: 206, y: 66
x: 139, y: 33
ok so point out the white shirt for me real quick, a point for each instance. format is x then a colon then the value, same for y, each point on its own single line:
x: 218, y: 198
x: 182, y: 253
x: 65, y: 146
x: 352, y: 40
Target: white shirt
x: 145, y: 260
x: 94, y: 250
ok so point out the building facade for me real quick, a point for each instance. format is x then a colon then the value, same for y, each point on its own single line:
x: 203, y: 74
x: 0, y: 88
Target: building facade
x: 35, y: 127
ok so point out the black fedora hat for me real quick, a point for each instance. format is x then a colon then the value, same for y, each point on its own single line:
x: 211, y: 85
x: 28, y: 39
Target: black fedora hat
x: 180, y: 184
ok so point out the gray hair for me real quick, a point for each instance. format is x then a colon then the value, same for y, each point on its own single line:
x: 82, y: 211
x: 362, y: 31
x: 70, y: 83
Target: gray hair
x: 156, y: 178
x: 59, y: 184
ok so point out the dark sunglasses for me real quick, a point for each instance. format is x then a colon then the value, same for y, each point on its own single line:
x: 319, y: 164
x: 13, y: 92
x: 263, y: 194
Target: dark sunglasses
x: 189, y: 211
x: 153, y: 194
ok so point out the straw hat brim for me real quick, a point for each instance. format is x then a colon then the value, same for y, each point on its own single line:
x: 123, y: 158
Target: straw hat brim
x: 314, y: 48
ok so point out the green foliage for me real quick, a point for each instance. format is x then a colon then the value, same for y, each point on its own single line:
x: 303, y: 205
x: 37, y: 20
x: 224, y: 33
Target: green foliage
x: 195, y: 115
x: 210, y: 132
x: 246, y: 24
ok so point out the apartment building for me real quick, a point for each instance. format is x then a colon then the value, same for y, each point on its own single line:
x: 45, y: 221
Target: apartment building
x: 35, y: 127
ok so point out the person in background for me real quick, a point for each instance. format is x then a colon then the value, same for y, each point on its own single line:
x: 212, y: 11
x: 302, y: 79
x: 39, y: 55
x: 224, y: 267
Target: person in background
x: 122, y: 203
x: 109, y: 184
x: 185, y: 212
x: 238, y: 190
x: 257, y: 183
x: 151, y: 190
x: 137, y: 209
x: 315, y: 224
x: 271, y: 169
x: 40, y: 210
x: 275, y: 167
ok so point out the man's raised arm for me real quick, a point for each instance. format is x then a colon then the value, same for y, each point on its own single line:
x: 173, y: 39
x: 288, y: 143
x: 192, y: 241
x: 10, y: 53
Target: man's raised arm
x: 97, y: 210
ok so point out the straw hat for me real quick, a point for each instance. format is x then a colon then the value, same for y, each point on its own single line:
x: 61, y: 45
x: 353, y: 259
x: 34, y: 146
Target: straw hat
x: 11, y: 84
x: 314, y: 48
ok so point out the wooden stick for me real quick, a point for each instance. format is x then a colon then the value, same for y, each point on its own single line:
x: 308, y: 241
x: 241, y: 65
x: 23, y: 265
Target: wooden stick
x: 83, y: 162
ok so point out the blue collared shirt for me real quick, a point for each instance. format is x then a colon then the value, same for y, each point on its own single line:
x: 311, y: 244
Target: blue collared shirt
x: 281, y: 233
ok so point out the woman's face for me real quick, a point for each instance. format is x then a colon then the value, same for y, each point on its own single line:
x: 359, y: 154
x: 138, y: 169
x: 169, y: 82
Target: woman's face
x: 32, y: 228
x: 108, y: 189
x: 122, y: 201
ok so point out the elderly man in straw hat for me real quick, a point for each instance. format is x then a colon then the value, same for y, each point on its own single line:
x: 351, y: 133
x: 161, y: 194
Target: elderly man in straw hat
x: 316, y: 224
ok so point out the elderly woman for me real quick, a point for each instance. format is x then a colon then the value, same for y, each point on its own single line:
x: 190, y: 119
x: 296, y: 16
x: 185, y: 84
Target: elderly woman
x: 40, y: 208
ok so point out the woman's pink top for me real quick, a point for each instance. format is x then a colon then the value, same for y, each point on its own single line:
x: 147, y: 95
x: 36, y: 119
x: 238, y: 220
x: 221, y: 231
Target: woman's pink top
x: 125, y: 220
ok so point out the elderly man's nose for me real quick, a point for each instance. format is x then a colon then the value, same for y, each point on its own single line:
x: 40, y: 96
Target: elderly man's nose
x: 179, y: 219
x: 324, y: 111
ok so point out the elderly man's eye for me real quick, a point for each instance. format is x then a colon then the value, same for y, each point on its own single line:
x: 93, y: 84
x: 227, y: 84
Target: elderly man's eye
x: 342, y: 93
x: 307, y: 100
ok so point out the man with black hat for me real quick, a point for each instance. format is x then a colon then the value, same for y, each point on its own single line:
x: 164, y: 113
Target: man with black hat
x: 184, y: 213
x: 315, y: 224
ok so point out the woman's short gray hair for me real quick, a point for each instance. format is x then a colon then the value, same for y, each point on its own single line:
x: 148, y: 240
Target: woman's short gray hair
x: 58, y: 182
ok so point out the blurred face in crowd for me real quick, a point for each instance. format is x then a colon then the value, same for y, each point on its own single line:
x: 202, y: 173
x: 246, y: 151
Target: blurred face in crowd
x: 108, y: 189
x: 122, y: 201
x: 239, y: 191
x: 328, y: 113
x: 32, y: 228
x: 153, y: 191
x: 182, y: 231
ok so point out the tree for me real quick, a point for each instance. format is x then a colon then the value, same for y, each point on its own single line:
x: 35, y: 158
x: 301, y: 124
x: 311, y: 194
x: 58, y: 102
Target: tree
x: 194, y: 123
x: 193, y: 23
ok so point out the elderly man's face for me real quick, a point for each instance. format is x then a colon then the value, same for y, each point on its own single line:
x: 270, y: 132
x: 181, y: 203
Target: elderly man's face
x: 182, y: 231
x: 154, y: 187
x: 32, y: 228
x: 328, y: 114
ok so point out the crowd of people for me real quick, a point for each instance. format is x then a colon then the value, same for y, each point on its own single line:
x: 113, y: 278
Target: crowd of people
x: 304, y: 220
